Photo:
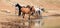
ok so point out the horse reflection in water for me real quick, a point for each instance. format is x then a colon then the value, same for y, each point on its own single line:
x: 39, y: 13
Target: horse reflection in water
x: 31, y: 11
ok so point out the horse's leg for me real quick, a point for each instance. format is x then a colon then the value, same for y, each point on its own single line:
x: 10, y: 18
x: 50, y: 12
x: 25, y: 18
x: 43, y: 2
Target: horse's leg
x: 23, y: 19
x: 29, y: 17
x: 29, y: 22
x: 19, y: 13
x: 39, y: 12
x: 23, y: 15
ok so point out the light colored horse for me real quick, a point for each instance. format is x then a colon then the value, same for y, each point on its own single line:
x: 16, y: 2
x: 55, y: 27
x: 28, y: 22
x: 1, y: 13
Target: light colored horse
x: 39, y: 10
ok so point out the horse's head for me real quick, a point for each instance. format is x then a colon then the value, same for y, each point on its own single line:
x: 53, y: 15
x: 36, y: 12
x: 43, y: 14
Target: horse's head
x: 17, y: 5
x: 42, y: 9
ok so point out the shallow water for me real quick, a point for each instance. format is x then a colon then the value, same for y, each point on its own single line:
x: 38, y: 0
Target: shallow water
x: 47, y: 21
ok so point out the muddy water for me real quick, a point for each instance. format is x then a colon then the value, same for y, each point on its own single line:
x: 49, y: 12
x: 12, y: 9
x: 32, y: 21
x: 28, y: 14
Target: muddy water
x: 48, y: 22
x: 13, y: 21
x: 51, y: 21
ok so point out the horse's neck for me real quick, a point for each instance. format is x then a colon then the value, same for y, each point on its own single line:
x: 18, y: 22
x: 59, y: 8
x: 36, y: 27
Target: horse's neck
x: 17, y: 5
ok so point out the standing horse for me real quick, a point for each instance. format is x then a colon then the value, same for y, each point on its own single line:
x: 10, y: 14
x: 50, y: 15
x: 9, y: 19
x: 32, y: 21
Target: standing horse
x: 25, y: 11
x: 38, y: 11
x: 19, y: 8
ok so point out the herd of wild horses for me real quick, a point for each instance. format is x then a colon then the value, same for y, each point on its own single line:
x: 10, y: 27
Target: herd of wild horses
x: 28, y: 10
x: 31, y: 10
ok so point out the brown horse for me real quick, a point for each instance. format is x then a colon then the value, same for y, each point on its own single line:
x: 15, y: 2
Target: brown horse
x: 28, y: 10
x: 25, y: 11
x: 32, y: 10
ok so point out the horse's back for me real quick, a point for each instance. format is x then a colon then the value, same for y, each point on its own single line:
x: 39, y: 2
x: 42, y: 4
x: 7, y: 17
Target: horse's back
x: 25, y: 10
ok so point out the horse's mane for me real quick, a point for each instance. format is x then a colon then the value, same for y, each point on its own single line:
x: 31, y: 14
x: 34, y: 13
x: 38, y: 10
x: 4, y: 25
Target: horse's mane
x: 28, y: 6
x: 19, y: 6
